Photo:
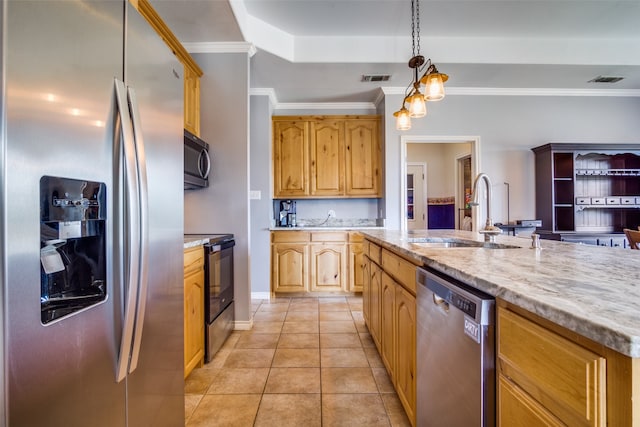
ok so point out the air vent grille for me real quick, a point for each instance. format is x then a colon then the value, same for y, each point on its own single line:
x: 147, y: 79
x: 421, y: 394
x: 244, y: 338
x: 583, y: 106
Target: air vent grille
x: 375, y: 77
x: 606, y: 79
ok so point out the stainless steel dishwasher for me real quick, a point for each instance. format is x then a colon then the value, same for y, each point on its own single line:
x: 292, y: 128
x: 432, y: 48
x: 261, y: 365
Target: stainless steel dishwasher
x: 455, y: 353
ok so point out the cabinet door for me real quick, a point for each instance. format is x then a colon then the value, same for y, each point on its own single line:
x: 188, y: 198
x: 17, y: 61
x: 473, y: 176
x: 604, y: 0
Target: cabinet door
x: 328, y: 266
x: 405, y: 333
x: 327, y: 159
x: 289, y: 267
x: 290, y: 158
x: 366, y: 291
x: 362, y: 158
x: 387, y: 329
x: 193, y: 320
x: 375, y: 306
x: 191, y: 101
x: 517, y: 409
x: 356, y: 267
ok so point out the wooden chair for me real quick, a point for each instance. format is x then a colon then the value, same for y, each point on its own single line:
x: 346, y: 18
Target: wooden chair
x: 633, y: 236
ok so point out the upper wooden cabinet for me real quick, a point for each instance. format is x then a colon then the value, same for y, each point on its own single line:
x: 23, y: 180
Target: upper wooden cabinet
x: 362, y: 157
x: 191, y: 100
x: 290, y: 158
x: 192, y: 72
x: 326, y: 157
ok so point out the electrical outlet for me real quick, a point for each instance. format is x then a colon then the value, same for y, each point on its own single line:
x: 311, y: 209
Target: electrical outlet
x: 331, y: 213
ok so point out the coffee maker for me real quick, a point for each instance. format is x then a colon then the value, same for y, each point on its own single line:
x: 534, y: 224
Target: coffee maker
x: 287, y: 215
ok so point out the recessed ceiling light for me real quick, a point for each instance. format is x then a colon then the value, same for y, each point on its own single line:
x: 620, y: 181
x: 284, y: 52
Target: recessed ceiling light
x: 375, y: 77
x: 605, y: 79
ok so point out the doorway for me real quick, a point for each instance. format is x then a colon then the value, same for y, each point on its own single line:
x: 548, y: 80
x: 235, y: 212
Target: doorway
x: 416, y: 196
x: 446, y: 172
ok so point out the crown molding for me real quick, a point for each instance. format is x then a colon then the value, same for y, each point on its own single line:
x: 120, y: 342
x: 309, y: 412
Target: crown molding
x: 221, y: 47
x: 325, y: 106
x: 265, y: 91
x: 494, y: 91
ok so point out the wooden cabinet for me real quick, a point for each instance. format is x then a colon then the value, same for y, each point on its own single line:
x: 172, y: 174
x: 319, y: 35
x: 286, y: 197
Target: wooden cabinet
x: 328, y: 267
x: 289, y: 261
x: 547, y: 378
x: 587, y: 188
x: 363, y: 158
x: 326, y: 156
x: 191, y: 100
x: 317, y: 261
x: 192, y: 72
x: 405, y: 333
x: 290, y: 158
x: 327, y: 160
x: 389, y: 304
x: 193, y: 308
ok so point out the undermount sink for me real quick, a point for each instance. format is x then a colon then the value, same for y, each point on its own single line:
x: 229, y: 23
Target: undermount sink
x: 440, y: 242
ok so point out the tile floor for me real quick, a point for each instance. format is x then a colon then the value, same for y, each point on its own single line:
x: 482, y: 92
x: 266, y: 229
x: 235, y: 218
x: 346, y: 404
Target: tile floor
x: 307, y: 362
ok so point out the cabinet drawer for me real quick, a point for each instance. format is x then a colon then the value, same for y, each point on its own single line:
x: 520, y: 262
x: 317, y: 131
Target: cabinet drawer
x: 612, y: 200
x: 375, y: 253
x: 403, y: 271
x: 289, y: 236
x: 329, y: 236
x: 628, y: 200
x: 565, y: 378
x: 583, y: 200
x: 598, y: 200
x: 193, y: 259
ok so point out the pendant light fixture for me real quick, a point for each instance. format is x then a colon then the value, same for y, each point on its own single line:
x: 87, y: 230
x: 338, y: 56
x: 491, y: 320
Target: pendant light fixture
x: 432, y: 79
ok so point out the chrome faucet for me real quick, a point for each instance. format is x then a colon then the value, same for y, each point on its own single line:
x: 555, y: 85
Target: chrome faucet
x: 490, y: 231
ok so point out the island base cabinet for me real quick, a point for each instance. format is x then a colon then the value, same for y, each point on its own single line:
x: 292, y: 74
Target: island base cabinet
x: 405, y: 332
x: 564, y: 378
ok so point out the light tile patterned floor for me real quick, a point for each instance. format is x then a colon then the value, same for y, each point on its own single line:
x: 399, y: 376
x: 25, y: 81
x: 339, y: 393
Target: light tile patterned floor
x: 307, y: 362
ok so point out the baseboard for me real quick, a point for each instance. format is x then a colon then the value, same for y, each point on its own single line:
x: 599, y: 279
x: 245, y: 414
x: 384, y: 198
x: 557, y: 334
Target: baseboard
x: 260, y: 295
x: 243, y: 325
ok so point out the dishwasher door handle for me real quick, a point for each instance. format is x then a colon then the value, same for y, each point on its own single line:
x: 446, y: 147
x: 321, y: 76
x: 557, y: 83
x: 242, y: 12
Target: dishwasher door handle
x: 441, y: 302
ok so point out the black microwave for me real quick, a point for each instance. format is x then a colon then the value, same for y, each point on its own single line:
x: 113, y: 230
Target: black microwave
x: 197, y: 162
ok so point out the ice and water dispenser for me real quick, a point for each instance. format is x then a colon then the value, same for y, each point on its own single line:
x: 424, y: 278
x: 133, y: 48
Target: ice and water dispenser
x: 73, y: 257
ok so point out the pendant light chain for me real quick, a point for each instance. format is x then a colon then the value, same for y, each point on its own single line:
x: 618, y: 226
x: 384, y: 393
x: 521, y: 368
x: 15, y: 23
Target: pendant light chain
x: 415, y: 27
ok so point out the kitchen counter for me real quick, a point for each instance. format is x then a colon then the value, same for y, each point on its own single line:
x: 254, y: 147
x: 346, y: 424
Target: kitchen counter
x: 326, y: 228
x: 591, y: 290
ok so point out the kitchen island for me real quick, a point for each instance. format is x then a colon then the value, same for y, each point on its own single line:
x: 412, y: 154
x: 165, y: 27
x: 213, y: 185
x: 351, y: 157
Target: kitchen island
x: 556, y: 298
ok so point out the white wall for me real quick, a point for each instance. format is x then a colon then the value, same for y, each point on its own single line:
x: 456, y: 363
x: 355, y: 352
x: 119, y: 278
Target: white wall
x: 441, y: 165
x: 260, y: 249
x: 224, y: 206
x: 508, y: 127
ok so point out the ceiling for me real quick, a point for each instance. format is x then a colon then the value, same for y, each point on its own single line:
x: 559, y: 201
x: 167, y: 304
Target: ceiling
x: 316, y: 51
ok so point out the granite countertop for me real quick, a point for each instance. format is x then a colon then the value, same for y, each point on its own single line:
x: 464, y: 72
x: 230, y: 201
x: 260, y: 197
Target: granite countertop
x: 191, y: 242
x: 591, y: 290
x: 326, y: 228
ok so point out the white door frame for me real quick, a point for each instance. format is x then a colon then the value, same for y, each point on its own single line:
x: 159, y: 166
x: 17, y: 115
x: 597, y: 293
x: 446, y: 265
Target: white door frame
x: 423, y: 196
x: 416, y: 139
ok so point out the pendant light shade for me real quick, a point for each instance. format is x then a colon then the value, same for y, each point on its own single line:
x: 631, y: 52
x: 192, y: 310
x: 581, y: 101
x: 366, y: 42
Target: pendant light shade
x: 432, y: 79
x: 403, y: 121
x: 417, y: 106
x: 434, y: 90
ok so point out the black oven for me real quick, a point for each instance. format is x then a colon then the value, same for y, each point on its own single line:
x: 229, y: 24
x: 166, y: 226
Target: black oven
x: 218, y: 292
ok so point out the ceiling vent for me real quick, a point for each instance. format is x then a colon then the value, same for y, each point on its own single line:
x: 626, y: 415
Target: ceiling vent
x: 375, y: 77
x: 606, y: 79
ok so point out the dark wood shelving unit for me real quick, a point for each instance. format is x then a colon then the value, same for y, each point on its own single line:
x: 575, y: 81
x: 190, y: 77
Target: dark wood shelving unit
x: 588, y: 190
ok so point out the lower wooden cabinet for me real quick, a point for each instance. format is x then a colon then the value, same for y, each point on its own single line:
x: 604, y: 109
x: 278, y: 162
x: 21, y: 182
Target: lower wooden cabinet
x: 193, y: 308
x: 316, y: 261
x: 390, y: 314
x: 405, y: 333
x: 546, y: 377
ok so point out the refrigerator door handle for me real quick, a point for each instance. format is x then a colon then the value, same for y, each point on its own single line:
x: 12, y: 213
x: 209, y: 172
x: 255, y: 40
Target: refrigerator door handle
x: 131, y: 224
x: 143, y: 206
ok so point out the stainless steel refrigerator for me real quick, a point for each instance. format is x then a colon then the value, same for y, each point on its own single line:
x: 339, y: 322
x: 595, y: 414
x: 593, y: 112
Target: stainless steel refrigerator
x: 91, y: 223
